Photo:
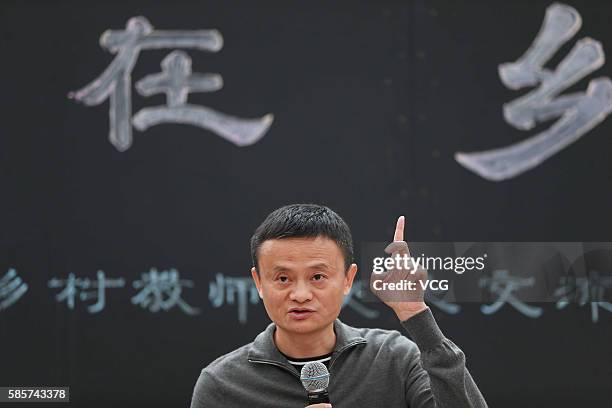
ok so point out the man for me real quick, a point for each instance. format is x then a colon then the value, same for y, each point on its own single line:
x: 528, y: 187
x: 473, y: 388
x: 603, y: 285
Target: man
x: 303, y: 267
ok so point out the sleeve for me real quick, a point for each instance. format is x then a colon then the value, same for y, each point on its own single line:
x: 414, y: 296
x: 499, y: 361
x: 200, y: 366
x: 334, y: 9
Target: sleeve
x: 206, y: 393
x: 440, y: 379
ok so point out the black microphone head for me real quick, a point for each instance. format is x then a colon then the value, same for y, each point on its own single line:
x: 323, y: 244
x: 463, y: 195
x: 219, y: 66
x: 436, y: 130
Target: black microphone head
x: 314, y: 376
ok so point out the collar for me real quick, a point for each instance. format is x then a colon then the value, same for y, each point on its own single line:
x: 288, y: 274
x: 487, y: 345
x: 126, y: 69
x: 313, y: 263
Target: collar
x: 264, y: 349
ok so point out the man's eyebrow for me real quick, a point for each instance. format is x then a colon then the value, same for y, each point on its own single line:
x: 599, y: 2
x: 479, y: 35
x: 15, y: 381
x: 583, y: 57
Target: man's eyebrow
x: 279, y: 268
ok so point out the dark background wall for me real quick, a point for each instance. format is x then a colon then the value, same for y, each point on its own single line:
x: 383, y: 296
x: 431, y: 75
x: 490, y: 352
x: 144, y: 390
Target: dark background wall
x: 371, y: 100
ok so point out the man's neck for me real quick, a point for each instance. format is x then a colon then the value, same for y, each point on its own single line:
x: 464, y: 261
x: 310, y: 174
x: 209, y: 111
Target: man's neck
x: 307, y: 344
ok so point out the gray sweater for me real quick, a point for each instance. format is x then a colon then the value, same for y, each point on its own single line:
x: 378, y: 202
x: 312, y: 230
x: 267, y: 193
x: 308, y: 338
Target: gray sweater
x: 369, y: 368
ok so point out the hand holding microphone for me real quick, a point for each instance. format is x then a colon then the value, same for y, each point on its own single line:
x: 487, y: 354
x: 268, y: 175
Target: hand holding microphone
x: 315, y: 379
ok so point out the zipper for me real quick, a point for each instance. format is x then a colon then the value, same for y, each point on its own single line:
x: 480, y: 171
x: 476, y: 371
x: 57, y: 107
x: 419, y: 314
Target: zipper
x: 274, y: 363
x: 293, y: 371
x: 334, y: 358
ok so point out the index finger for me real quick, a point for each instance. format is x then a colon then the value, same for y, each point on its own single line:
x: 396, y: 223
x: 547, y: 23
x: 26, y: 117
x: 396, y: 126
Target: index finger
x: 399, y: 229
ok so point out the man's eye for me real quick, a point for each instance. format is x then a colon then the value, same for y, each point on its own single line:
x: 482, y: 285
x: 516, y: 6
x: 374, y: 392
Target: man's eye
x: 282, y: 279
x: 318, y: 277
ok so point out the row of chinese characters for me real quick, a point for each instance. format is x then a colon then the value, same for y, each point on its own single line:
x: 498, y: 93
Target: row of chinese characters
x: 157, y: 291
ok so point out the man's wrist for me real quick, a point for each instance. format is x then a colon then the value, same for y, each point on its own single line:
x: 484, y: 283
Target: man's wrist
x: 423, y: 330
x: 409, y: 310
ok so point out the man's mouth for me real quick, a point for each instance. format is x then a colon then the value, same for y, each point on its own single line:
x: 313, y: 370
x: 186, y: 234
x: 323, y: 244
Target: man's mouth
x: 300, y: 312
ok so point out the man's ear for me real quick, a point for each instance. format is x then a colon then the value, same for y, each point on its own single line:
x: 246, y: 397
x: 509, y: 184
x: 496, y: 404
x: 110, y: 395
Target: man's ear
x: 349, y: 277
x: 255, y: 276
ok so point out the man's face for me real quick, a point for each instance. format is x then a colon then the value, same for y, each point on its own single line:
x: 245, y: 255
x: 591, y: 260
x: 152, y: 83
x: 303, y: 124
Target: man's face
x: 302, y: 282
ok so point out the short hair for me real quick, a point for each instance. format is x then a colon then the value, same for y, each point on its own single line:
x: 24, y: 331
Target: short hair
x: 304, y: 220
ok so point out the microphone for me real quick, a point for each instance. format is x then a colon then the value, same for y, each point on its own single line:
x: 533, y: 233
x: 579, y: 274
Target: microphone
x: 315, y: 379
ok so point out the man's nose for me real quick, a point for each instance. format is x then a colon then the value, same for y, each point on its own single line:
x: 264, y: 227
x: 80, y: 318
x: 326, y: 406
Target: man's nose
x: 301, y: 292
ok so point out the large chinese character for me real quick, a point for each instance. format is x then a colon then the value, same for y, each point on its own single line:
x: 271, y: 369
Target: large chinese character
x: 162, y: 291
x: 579, y: 112
x: 226, y: 289
x: 12, y: 287
x: 74, y: 286
x: 503, y: 285
x: 585, y: 290
x: 176, y: 81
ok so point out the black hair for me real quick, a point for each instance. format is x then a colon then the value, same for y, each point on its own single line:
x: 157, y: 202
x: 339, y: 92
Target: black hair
x: 304, y: 220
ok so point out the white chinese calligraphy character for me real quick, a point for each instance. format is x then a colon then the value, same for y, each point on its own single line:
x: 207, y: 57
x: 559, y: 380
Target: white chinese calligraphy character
x: 226, y: 289
x: 162, y: 291
x: 579, y: 112
x: 74, y: 286
x: 503, y: 285
x: 585, y: 290
x: 12, y: 287
x: 176, y: 80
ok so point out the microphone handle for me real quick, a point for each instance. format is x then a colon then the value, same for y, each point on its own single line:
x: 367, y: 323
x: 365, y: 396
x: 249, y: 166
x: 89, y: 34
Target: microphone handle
x: 318, y: 397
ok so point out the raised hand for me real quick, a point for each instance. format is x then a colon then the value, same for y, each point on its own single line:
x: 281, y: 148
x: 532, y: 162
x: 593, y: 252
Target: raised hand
x: 405, y: 302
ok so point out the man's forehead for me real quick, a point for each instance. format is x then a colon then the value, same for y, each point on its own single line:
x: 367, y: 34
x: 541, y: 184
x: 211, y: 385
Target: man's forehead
x: 281, y: 265
x: 287, y: 245
x: 300, y: 249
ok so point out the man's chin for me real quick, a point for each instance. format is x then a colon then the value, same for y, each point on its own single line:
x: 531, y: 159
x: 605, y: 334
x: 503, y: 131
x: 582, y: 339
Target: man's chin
x: 303, y: 326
